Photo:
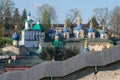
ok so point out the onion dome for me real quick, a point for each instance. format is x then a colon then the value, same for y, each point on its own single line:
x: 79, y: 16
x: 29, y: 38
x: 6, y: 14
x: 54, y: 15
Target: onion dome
x: 28, y: 18
x: 86, y: 49
x: 103, y: 31
x: 65, y: 28
x: 79, y: 26
x: 51, y: 31
x: 91, y: 29
x: 57, y: 33
x: 15, y: 36
x: 29, y: 14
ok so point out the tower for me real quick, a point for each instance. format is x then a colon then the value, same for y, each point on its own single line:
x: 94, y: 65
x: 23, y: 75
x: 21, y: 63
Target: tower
x: 28, y: 22
x: 16, y: 37
x: 65, y: 31
x: 57, y: 43
x: 103, y: 34
x: 86, y: 48
x: 51, y: 32
x: 78, y: 31
x: 91, y: 33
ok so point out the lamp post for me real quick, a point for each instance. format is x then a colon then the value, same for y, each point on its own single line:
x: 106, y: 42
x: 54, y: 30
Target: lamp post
x: 51, y: 77
x: 95, y: 70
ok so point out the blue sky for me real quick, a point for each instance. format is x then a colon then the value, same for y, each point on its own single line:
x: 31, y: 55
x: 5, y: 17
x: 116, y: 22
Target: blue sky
x: 62, y: 7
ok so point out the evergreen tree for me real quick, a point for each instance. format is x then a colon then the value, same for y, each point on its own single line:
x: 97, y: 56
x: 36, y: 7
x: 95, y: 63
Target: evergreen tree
x: 16, y: 17
x: 6, y: 7
x: 23, y: 17
x: 7, y: 18
x: 7, y: 22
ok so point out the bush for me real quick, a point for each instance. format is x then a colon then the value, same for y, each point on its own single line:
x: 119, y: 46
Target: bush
x: 4, y: 41
x: 70, y: 52
x: 60, y: 54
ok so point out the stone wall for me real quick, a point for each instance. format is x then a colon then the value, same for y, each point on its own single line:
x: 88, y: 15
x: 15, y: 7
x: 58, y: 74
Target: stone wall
x: 109, y: 72
x: 13, y: 49
x: 74, y: 68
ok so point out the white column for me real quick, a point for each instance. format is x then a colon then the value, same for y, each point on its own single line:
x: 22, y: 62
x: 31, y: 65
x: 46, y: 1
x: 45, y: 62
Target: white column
x: 77, y: 34
x: 26, y: 25
x: 23, y: 37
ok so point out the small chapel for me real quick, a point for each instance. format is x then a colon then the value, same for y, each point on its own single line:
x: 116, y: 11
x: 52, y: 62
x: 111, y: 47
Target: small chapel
x: 32, y: 33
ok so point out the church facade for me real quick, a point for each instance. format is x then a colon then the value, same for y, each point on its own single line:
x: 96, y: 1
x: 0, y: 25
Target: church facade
x: 32, y: 34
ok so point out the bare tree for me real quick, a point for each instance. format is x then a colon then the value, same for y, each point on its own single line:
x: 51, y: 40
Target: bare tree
x: 71, y: 17
x: 47, y: 14
x: 102, y: 15
x: 4, y: 4
x: 115, y: 20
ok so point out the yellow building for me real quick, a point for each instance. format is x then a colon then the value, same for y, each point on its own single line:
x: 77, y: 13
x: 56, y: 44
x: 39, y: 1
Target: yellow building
x: 99, y: 44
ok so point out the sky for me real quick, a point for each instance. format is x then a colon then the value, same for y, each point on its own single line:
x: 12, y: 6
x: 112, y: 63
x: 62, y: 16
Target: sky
x: 62, y: 7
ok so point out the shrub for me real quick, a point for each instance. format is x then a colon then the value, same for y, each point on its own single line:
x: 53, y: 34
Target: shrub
x: 4, y: 41
x: 60, y: 54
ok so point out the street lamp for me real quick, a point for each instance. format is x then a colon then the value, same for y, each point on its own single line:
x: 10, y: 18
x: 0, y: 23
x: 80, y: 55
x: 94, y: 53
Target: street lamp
x: 51, y: 77
x: 95, y: 70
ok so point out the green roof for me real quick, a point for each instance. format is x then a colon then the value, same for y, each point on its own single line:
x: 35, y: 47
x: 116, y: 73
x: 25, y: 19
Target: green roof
x: 38, y: 27
x: 28, y: 20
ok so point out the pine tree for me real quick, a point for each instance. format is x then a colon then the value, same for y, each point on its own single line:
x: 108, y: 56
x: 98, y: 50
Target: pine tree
x: 23, y: 17
x: 6, y: 7
x: 16, y: 17
x: 7, y: 18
